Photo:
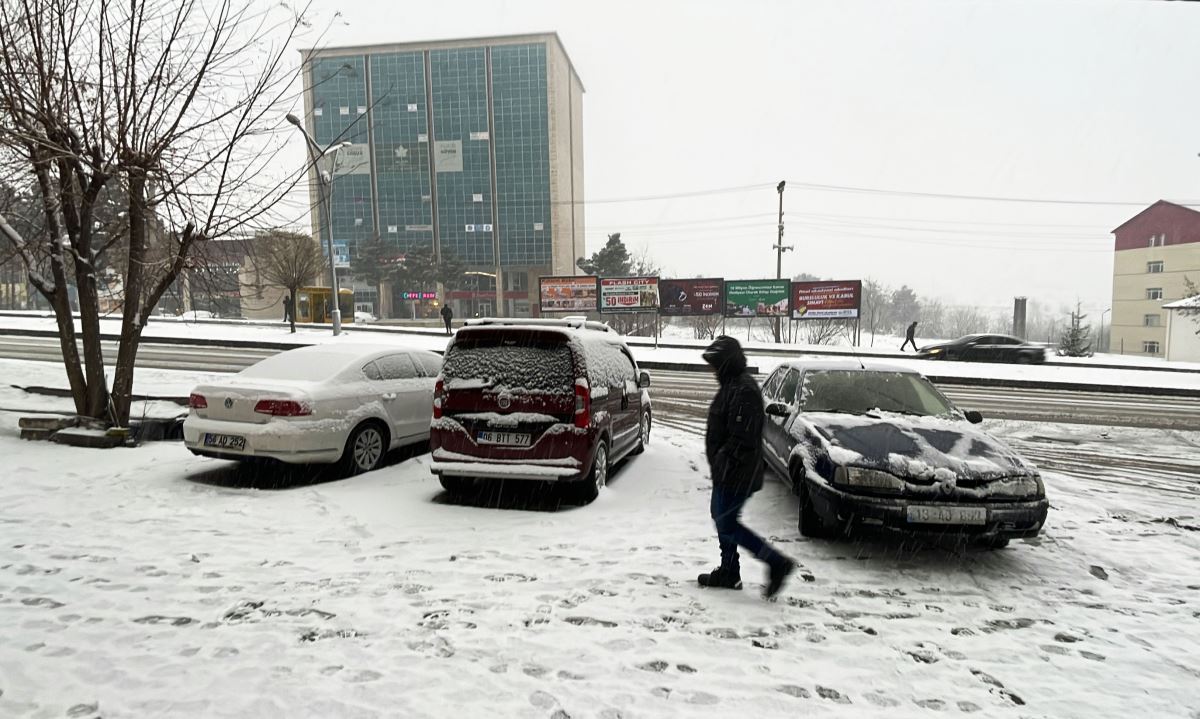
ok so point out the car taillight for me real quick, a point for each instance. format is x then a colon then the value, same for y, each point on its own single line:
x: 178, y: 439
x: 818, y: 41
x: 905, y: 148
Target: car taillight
x: 282, y: 408
x: 197, y: 401
x: 439, y: 395
x: 583, y: 406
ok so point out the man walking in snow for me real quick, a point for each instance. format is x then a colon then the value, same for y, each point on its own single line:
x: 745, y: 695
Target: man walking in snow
x: 447, y: 316
x: 910, y: 337
x: 287, y: 308
x: 733, y: 443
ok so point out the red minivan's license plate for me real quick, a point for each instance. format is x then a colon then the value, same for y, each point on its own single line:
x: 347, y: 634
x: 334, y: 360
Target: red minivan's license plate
x: 512, y: 439
x: 224, y: 441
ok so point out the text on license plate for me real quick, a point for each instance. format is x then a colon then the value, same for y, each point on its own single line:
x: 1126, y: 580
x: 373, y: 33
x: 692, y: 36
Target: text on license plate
x: 515, y: 439
x: 224, y: 441
x: 947, y: 515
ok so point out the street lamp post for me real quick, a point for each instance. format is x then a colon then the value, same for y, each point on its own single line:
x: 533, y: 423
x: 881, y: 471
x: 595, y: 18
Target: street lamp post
x: 1107, y: 348
x: 779, y: 250
x: 325, y: 181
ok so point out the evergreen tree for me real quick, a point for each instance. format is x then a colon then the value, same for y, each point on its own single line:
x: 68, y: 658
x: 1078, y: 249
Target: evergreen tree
x: 906, y: 308
x: 1076, y: 340
x: 612, y: 260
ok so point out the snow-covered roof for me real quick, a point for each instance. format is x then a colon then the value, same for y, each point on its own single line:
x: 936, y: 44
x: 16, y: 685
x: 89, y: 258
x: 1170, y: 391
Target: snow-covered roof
x: 847, y: 364
x: 1186, y: 303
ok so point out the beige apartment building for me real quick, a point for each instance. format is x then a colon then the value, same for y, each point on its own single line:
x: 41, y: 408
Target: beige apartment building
x: 1155, y: 251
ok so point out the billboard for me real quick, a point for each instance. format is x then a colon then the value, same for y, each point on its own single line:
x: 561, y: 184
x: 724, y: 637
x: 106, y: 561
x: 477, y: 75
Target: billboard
x: 447, y: 156
x: 826, y: 300
x: 341, y: 254
x: 628, y: 294
x: 568, y: 294
x: 757, y: 298
x: 683, y: 298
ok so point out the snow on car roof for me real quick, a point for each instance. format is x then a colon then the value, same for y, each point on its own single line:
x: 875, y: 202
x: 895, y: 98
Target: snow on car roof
x: 849, y: 365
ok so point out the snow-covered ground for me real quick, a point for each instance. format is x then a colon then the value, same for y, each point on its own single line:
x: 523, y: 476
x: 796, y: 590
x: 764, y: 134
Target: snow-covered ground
x: 1088, y: 376
x: 148, y: 582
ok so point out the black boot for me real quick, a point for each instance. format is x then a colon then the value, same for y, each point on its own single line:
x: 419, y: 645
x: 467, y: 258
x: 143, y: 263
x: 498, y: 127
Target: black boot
x: 779, y: 574
x: 721, y: 578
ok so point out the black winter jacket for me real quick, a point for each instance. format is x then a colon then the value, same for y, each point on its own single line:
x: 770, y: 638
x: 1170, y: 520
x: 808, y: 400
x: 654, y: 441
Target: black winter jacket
x: 733, y: 440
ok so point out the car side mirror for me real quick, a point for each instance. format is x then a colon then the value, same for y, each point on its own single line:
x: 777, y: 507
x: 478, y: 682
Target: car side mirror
x: 973, y: 417
x: 643, y: 380
x: 777, y: 409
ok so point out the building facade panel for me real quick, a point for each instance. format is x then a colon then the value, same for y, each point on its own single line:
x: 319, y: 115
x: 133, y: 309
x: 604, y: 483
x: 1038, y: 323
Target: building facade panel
x: 473, y: 146
x: 522, y: 154
x: 462, y: 165
x: 400, y: 150
x: 1158, y: 250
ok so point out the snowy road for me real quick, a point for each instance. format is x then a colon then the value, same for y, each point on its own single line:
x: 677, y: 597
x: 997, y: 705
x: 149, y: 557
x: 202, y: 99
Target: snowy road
x: 146, y: 582
x: 687, y: 393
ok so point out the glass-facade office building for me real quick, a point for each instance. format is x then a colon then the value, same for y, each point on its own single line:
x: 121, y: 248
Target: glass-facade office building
x: 470, y: 147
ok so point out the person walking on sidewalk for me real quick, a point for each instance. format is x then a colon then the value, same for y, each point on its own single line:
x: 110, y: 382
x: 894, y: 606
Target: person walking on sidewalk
x: 288, y: 308
x: 910, y: 337
x: 447, y: 316
x: 733, y: 443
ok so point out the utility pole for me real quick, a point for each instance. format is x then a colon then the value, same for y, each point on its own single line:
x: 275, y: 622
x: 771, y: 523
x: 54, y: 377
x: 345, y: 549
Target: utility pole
x: 779, y: 250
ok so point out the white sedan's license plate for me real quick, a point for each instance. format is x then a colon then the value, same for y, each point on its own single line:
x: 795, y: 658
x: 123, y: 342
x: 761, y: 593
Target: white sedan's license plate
x: 224, y: 441
x: 947, y: 515
x: 512, y: 439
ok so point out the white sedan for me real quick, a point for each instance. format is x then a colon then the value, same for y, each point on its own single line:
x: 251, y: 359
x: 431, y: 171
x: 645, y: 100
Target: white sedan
x: 347, y: 403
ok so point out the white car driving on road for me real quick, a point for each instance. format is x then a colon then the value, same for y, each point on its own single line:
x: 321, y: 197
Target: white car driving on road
x: 347, y: 403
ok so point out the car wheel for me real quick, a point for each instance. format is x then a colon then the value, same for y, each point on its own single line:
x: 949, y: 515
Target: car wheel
x: 589, y: 489
x: 365, y: 448
x: 643, y: 433
x: 810, y: 524
x: 457, y: 485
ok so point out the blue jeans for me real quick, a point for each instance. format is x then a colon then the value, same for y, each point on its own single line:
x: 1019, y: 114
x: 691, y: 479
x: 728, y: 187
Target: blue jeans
x: 731, y: 533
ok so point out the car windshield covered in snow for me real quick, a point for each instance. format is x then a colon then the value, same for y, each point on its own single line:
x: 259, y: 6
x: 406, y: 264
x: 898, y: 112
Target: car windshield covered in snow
x: 507, y: 362
x: 856, y: 392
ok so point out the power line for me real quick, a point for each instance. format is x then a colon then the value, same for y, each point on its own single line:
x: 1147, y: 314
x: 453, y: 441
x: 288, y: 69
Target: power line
x: 984, y: 198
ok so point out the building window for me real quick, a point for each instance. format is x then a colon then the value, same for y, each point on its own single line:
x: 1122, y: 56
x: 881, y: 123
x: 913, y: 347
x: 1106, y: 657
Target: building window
x: 1150, y: 321
x: 1154, y: 293
x: 1150, y: 347
x: 1154, y: 267
x: 1158, y: 240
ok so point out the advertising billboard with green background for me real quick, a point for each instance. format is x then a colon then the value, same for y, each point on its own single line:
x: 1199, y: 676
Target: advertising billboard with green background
x: 757, y: 298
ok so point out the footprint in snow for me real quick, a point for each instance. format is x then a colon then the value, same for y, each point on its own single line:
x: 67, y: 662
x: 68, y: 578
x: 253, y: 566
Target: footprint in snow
x: 934, y: 704
x: 1098, y: 572
x: 173, y: 621
x: 880, y: 699
x: 361, y: 677
x: 542, y: 700
x: 1092, y: 655
x: 1066, y: 638
x: 510, y: 577
x: 685, y: 668
x: 832, y: 695
x: 535, y: 670
x: 654, y: 666
x: 1055, y: 649
x: 702, y: 698
x: 82, y: 710
x: 590, y: 622
x: 793, y: 691
x: 968, y: 707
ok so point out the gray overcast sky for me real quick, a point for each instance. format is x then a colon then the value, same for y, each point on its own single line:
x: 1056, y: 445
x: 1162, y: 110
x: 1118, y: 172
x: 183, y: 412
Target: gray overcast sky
x: 1057, y: 100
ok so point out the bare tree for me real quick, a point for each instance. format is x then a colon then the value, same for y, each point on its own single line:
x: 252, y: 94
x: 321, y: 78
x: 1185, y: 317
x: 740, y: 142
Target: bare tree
x: 876, y: 304
x: 704, y: 327
x: 825, y: 332
x: 174, y: 102
x: 965, y: 320
x: 289, y: 260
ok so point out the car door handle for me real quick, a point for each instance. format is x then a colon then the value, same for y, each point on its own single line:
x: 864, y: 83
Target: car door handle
x: 389, y: 396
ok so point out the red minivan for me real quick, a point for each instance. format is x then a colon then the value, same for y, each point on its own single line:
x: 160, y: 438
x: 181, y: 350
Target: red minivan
x: 545, y: 400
